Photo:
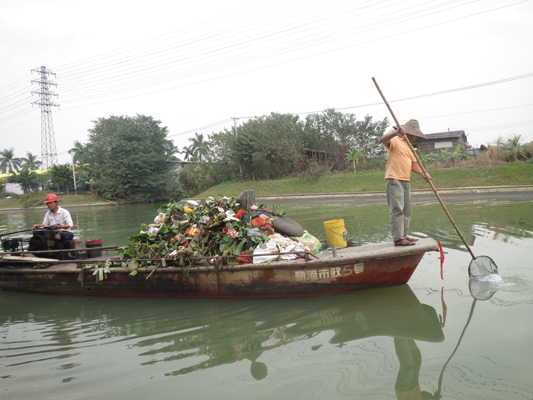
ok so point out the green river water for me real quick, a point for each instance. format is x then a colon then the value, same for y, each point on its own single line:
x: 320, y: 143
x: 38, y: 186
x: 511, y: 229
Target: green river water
x: 429, y: 339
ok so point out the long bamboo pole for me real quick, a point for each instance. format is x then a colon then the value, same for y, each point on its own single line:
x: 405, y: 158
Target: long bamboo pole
x: 424, y: 171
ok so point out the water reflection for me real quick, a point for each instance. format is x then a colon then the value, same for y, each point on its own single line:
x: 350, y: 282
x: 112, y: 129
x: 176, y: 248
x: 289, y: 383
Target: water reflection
x: 407, y: 386
x: 480, y: 291
x: 392, y: 312
x: 366, y: 345
x: 175, y: 338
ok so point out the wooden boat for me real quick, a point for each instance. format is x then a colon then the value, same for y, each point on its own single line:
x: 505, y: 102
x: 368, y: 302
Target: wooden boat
x: 351, y: 268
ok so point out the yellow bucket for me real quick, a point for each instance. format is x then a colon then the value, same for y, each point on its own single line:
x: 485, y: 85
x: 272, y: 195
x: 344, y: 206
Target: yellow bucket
x: 336, y: 232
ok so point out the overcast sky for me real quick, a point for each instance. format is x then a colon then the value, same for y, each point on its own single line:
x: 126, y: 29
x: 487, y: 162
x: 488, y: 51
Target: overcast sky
x: 195, y: 66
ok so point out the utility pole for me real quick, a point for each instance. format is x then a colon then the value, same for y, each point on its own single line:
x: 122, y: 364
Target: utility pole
x: 48, y: 141
x: 74, y: 173
x: 240, y: 167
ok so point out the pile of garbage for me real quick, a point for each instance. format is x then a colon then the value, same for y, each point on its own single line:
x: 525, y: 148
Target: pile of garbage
x: 195, y: 232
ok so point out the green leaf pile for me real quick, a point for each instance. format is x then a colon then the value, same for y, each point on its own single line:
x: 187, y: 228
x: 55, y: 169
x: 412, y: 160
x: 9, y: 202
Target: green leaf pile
x: 192, y: 232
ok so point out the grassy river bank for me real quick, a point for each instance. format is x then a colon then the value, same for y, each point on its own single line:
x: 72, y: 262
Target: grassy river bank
x: 500, y: 175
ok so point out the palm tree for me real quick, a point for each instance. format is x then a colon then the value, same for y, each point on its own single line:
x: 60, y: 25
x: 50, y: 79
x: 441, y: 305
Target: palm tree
x: 187, y: 152
x: 8, y: 162
x: 199, y: 146
x: 30, y: 162
x: 78, y: 151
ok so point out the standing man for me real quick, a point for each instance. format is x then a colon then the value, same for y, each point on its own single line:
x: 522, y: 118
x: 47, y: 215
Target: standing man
x: 57, y: 216
x: 401, y: 161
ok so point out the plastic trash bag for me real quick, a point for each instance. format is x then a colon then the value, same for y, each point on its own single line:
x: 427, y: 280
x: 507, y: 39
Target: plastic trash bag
x: 314, y: 245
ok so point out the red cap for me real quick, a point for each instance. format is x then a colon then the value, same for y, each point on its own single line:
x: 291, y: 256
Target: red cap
x: 50, y: 197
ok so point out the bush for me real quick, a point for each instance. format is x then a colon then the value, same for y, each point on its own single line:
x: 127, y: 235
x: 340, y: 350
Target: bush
x: 31, y: 199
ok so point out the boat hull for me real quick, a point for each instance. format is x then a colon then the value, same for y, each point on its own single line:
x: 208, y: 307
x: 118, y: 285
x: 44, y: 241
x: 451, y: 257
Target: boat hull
x: 358, y: 268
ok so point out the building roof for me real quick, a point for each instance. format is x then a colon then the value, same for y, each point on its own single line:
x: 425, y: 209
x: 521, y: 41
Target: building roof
x: 445, y: 135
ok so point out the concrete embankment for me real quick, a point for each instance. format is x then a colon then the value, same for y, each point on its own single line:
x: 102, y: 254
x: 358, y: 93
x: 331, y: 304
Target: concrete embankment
x: 484, y: 193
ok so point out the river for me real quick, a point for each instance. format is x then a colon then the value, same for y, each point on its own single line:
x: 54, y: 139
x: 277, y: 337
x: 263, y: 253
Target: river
x: 440, y: 336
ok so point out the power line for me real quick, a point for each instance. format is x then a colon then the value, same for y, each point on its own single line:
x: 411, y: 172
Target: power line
x: 156, y: 39
x: 164, y: 78
x: 217, y: 56
x: 409, y: 12
x: 477, y: 111
x: 19, y: 82
x: 497, y: 127
x: 337, y: 109
x: 201, y: 128
x: 476, y: 86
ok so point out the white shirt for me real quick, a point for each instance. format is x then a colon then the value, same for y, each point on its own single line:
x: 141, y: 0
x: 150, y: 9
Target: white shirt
x: 61, y: 217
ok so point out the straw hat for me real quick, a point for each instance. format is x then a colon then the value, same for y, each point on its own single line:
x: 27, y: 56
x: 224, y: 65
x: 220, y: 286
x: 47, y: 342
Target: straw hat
x: 412, y: 128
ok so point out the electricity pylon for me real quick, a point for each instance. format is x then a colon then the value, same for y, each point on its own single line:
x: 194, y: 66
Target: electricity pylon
x: 48, y: 141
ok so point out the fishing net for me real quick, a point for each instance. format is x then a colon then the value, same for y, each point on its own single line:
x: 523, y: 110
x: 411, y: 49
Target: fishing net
x: 482, y: 266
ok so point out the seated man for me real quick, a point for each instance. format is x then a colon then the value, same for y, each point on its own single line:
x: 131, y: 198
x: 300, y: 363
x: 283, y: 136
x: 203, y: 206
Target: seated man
x: 57, y: 216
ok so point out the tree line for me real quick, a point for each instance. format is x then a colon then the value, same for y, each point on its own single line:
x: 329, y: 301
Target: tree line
x: 281, y: 145
x: 23, y: 170
x: 132, y: 158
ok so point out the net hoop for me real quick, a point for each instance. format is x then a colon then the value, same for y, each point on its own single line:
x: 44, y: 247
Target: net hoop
x: 482, y: 266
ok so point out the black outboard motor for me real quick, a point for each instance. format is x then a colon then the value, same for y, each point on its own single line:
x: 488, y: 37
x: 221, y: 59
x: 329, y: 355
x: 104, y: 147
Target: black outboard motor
x: 11, y: 244
x: 50, y: 239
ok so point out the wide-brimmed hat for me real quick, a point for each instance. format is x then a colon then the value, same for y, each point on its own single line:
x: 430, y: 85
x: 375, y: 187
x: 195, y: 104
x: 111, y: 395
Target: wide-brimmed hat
x: 412, y: 128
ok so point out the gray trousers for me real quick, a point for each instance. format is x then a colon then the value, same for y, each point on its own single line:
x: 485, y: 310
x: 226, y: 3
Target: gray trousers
x: 399, y: 201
